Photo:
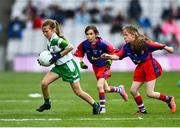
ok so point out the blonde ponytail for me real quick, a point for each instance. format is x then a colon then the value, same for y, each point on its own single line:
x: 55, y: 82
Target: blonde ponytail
x: 53, y: 24
x: 58, y: 31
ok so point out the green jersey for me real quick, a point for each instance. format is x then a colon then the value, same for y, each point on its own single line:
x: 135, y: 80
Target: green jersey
x: 65, y: 66
x: 57, y: 44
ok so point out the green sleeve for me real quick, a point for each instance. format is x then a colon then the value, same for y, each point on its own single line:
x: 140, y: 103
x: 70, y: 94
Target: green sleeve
x: 63, y: 44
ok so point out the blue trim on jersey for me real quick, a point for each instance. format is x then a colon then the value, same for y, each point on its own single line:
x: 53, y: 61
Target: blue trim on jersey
x: 156, y: 68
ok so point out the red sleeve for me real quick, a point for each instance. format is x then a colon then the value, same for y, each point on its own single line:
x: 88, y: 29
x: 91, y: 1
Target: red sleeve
x: 79, y: 52
x: 111, y: 49
x: 121, y: 53
x: 155, y: 45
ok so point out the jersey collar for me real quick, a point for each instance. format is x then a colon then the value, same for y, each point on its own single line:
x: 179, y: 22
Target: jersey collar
x: 53, y: 36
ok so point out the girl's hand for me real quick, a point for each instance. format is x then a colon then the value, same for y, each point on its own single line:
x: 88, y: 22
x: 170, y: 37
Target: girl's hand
x: 83, y: 65
x: 109, y: 56
x: 55, y: 57
x: 169, y: 49
x: 39, y: 62
x: 105, y: 55
x: 109, y: 63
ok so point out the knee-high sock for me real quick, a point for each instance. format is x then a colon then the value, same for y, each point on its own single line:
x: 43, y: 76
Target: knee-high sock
x: 140, y: 103
x: 164, y: 98
x: 114, y: 89
x: 102, y: 99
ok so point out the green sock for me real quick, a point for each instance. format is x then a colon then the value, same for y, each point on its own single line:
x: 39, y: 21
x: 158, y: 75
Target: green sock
x: 95, y: 105
x: 46, y: 101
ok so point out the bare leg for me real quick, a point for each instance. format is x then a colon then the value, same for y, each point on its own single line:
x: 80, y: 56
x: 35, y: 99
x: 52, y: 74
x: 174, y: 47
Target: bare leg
x: 86, y: 97
x: 134, y: 90
x: 152, y: 94
x: 137, y: 97
x: 101, y: 82
x: 106, y: 87
x: 150, y: 85
x: 48, y: 78
x: 82, y: 94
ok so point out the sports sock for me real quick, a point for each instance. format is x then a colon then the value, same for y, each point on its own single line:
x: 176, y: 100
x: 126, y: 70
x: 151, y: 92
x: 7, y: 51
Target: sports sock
x: 164, y: 98
x: 140, y: 103
x: 95, y: 105
x: 46, y: 101
x: 102, y: 99
x: 114, y: 89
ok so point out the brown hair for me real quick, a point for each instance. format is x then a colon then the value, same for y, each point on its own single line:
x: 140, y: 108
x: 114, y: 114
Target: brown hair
x: 92, y: 27
x: 138, y: 45
x: 132, y: 30
x: 53, y: 24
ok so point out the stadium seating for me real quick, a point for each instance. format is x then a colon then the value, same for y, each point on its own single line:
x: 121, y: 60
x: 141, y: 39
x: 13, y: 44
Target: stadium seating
x: 32, y: 42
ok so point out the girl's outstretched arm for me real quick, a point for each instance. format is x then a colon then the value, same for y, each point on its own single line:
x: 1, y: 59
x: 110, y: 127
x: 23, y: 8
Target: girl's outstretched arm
x: 108, y: 56
x: 169, y: 49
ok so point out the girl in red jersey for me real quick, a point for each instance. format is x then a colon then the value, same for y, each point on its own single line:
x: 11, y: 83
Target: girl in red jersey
x: 139, y: 48
x: 94, y: 47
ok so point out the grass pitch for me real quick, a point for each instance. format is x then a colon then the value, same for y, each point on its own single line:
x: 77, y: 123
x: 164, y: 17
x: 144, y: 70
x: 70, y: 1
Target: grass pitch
x: 68, y: 110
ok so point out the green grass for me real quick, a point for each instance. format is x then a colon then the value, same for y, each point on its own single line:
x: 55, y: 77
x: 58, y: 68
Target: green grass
x: 71, y: 111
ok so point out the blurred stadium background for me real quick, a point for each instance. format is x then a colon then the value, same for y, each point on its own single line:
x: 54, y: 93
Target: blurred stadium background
x: 21, y: 39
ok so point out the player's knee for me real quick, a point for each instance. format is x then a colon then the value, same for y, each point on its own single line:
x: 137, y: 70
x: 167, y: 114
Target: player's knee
x: 132, y: 91
x: 44, y: 84
x: 106, y: 90
x: 100, y: 87
x: 150, y: 94
x: 78, y: 92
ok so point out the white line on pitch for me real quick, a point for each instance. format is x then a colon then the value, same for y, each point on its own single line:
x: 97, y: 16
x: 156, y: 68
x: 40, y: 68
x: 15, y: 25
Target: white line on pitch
x: 88, y: 119
x: 38, y: 119
x: 13, y: 101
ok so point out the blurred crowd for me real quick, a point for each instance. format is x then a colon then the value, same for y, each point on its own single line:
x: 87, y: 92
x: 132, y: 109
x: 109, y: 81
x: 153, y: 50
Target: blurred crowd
x: 167, y: 30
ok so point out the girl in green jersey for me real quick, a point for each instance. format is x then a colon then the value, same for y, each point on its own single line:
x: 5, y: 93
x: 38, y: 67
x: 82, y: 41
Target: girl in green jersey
x: 65, y: 66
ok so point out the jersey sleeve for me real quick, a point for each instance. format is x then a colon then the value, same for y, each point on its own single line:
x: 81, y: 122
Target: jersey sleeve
x: 64, y: 44
x: 61, y: 43
x: 121, y: 53
x: 79, y: 52
x: 111, y: 49
x: 153, y: 46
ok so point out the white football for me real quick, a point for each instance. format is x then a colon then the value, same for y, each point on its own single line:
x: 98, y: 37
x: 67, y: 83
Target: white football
x: 44, y: 58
